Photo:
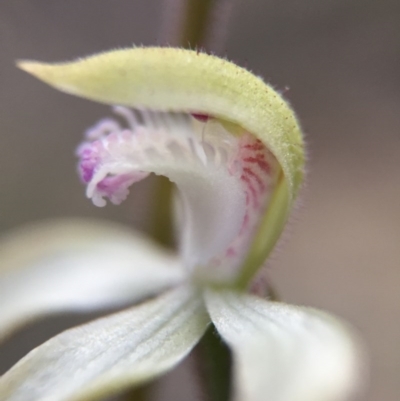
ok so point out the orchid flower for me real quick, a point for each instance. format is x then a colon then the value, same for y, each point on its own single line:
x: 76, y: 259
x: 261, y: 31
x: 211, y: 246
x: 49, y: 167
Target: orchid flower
x: 234, y: 149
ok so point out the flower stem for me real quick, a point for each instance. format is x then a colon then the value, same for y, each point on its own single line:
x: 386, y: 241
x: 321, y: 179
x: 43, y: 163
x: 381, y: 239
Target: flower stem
x: 196, y: 20
x: 215, y: 365
x: 138, y: 394
x: 161, y: 217
x: 197, y: 30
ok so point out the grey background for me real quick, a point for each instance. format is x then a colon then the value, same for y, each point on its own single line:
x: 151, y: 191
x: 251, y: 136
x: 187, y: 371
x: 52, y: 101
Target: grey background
x: 338, y: 62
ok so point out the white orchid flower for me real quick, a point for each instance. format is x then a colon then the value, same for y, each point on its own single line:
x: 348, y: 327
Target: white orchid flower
x: 234, y: 149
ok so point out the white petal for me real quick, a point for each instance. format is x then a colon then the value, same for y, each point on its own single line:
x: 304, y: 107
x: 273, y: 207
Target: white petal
x: 110, y: 354
x: 76, y: 265
x: 286, y: 353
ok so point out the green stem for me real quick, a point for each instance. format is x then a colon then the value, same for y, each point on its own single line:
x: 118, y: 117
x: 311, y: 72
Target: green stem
x: 193, y: 35
x: 138, y: 394
x: 197, y: 19
x: 161, y: 217
x: 215, y: 355
x: 215, y: 365
x: 272, y: 293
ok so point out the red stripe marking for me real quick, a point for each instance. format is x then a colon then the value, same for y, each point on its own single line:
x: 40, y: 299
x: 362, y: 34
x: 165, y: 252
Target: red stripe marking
x: 231, y: 252
x: 245, y: 224
x: 255, y: 146
x: 246, y: 179
x: 251, y: 173
x: 261, y: 163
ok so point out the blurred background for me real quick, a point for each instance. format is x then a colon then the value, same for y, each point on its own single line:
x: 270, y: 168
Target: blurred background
x: 338, y: 63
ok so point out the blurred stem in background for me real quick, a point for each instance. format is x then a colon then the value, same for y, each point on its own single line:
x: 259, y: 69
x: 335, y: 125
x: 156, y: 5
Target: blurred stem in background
x: 214, y: 362
x: 194, y: 30
x: 194, y: 24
